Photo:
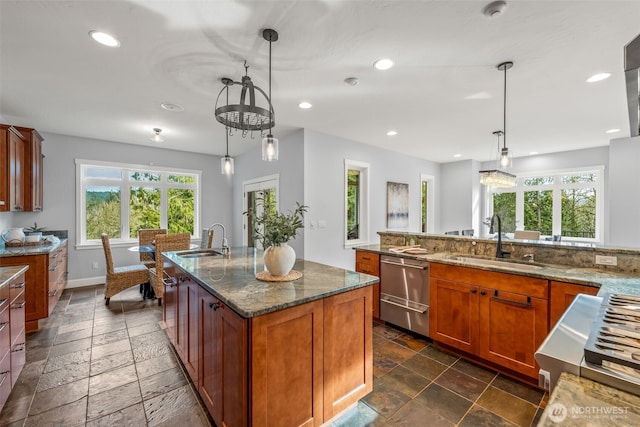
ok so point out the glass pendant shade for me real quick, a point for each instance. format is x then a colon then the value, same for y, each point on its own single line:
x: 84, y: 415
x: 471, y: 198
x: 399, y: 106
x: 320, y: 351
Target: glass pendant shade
x: 269, y: 148
x: 505, y: 160
x: 226, y: 165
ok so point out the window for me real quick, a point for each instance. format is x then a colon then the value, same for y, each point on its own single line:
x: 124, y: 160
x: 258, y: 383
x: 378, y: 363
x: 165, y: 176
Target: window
x: 565, y: 203
x: 119, y: 199
x: 427, y: 203
x: 356, y: 202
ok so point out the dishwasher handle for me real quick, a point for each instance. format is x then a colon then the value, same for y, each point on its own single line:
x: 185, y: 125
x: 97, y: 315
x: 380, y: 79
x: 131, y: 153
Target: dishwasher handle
x: 406, y: 307
x: 419, y: 267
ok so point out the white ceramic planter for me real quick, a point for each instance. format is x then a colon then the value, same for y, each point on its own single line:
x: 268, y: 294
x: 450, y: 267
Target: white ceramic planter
x: 279, y: 260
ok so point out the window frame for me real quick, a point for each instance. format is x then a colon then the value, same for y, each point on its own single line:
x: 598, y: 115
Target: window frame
x: 363, y: 225
x: 430, y: 181
x: 556, y: 187
x: 125, y: 184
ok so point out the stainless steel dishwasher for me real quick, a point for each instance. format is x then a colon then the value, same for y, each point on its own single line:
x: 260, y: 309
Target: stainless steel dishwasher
x: 404, y: 293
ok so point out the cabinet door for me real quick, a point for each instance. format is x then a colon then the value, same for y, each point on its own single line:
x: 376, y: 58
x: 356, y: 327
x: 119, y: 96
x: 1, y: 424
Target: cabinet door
x: 16, y: 149
x: 170, y: 303
x: 347, y: 346
x: 182, y: 317
x: 454, y: 314
x: 369, y: 263
x: 192, y: 354
x: 223, y: 382
x: 37, y: 288
x: 33, y: 176
x: 512, y: 327
x: 562, y: 295
x: 4, y: 169
x: 286, y: 360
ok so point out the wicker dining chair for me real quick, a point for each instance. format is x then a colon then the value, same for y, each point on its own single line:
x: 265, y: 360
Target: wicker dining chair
x: 165, y: 243
x: 121, y: 278
x: 146, y: 236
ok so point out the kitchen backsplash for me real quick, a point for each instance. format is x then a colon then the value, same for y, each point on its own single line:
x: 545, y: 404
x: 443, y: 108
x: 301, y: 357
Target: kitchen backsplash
x: 562, y: 253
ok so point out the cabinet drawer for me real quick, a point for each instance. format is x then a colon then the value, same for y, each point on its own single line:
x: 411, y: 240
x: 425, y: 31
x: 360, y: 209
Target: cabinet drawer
x: 17, y: 318
x: 363, y: 257
x: 5, y: 332
x: 17, y: 287
x: 18, y: 358
x: 5, y: 378
x: 373, y: 270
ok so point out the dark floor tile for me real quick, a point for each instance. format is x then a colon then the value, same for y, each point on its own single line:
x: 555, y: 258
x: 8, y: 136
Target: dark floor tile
x: 111, y: 362
x: 425, y: 366
x: 150, y: 338
x: 28, y: 379
x: 144, y: 329
x: 385, y: 399
x: 162, y: 382
x: 73, y: 335
x: 113, y: 400
x: 480, y: 417
x: 170, y: 405
x: 523, y: 391
x: 195, y: 418
x: 386, y: 331
x: 59, y: 396
x: 444, y: 402
x: 537, y: 417
x: 69, y: 415
x: 37, y: 354
x: 110, y: 337
x: 382, y: 364
x: 378, y: 339
x: 395, y: 352
x: 60, y: 362
x: 109, y: 326
x: 406, y: 381
x: 462, y: 384
x: 358, y: 416
x: 111, y: 348
x: 410, y: 341
x: 15, y: 409
x: 132, y: 416
x: 62, y: 329
x: 440, y: 355
x: 475, y: 371
x: 112, y: 379
x: 155, y: 365
x: 69, y: 374
x: 142, y: 353
x: 70, y: 347
x: 415, y: 414
x: 508, y: 406
x: 81, y: 300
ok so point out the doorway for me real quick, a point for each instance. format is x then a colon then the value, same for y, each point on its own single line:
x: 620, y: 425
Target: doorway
x: 253, y: 190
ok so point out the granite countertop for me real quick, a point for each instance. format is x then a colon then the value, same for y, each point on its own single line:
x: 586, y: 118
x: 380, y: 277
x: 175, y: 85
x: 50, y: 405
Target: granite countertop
x: 577, y: 401
x: 607, y: 282
x: 232, y: 280
x: 30, y: 250
x: 7, y: 274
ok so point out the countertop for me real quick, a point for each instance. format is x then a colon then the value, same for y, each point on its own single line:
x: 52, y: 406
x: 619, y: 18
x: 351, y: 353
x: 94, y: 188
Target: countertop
x: 579, y: 402
x: 7, y: 274
x: 607, y: 282
x: 232, y: 280
x: 30, y: 250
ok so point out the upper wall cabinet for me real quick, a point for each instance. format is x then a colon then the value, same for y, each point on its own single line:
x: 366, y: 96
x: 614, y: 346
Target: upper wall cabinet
x: 20, y: 169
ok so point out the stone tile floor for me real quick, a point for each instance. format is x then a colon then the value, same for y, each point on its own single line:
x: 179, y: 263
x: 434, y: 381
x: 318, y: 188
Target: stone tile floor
x: 113, y: 366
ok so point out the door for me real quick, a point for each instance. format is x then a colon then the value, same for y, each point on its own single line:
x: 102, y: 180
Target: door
x: 454, y: 314
x: 267, y: 186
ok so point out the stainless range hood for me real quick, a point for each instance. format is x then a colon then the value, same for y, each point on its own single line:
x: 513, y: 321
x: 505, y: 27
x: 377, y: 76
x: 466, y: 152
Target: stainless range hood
x: 632, y: 76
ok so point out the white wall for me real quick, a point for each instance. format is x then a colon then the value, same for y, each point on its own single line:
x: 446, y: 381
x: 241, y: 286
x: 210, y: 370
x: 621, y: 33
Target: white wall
x: 460, y: 202
x: 324, y: 157
x: 60, y: 195
x: 624, y: 192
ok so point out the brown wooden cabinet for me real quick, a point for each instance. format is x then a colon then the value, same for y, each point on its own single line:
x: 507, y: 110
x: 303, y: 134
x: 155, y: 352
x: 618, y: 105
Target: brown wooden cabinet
x: 12, y: 334
x: 15, y: 157
x: 369, y: 263
x: 46, y: 279
x: 562, y: 295
x: 33, y: 178
x: 501, y: 318
x: 4, y: 172
x: 297, y: 366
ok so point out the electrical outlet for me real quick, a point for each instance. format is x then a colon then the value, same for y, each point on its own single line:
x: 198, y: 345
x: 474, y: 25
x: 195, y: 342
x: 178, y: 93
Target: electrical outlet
x: 606, y: 260
x: 94, y: 265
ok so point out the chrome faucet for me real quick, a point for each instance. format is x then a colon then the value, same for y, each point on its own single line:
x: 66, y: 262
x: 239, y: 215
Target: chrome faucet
x: 499, y: 252
x: 225, y: 245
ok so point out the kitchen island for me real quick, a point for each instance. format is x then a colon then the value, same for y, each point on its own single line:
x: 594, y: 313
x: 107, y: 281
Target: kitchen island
x: 270, y: 353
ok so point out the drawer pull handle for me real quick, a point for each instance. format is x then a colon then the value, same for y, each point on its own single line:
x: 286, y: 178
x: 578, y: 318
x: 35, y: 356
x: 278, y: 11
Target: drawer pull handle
x: 18, y: 285
x: 19, y: 347
x: 419, y: 267
x: 169, y: 281
x: 403, y: 306
x: 5, y: 375
x: 215, y: 305
x: 474, y: 290
x: 54, y: 293
x: 508, y: 301
x: 3, y: 325
x: 18, y: 305
x: 4, y: 301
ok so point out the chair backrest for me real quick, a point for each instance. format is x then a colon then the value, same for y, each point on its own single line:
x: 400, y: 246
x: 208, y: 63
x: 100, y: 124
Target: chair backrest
x: 452, y: 233
x: 168, y: 243
x: 145, y: 237
x: 206, y: 240
x: 467, y: 232
x: 107, y: 253
x: 526, y: 234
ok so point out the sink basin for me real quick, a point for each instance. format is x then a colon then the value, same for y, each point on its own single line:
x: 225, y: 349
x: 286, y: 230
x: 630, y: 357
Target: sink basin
x: 199, y: 253
x: 494, y: 262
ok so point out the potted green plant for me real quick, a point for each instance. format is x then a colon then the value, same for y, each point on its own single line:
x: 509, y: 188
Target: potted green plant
x: 274, y: 230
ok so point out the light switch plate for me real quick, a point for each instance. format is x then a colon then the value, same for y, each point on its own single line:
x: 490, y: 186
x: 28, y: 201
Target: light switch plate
x: 606, y: 260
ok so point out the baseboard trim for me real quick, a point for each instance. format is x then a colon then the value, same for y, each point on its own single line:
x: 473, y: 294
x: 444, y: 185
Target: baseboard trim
x: 87, y: 281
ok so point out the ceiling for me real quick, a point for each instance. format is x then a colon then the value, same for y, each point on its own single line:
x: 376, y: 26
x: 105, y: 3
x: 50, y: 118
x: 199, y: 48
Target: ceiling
x: 443, y: 96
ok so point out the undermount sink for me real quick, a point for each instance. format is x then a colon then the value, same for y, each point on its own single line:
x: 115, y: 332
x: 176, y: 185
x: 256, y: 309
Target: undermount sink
x: 494, y: 262
x: 199, y: 253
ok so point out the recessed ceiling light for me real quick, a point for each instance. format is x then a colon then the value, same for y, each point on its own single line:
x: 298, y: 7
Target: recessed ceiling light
x: 156, y: 135
x: 383, y: 64
x: 351, y: 81
x: 533, y: 153
x: 104, y: 38
x: 598, y: 77
x: 614, y: 130
x: 457, y: 155
x: 494, y: 9
x: 392, y: 133
x: 172, y: 107
x: 305, y: 105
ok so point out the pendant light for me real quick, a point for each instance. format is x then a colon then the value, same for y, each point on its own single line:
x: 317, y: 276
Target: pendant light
x: 497, y: 177
x: 226, y: 163
x: 156, y: 135
x: 269, y: 143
